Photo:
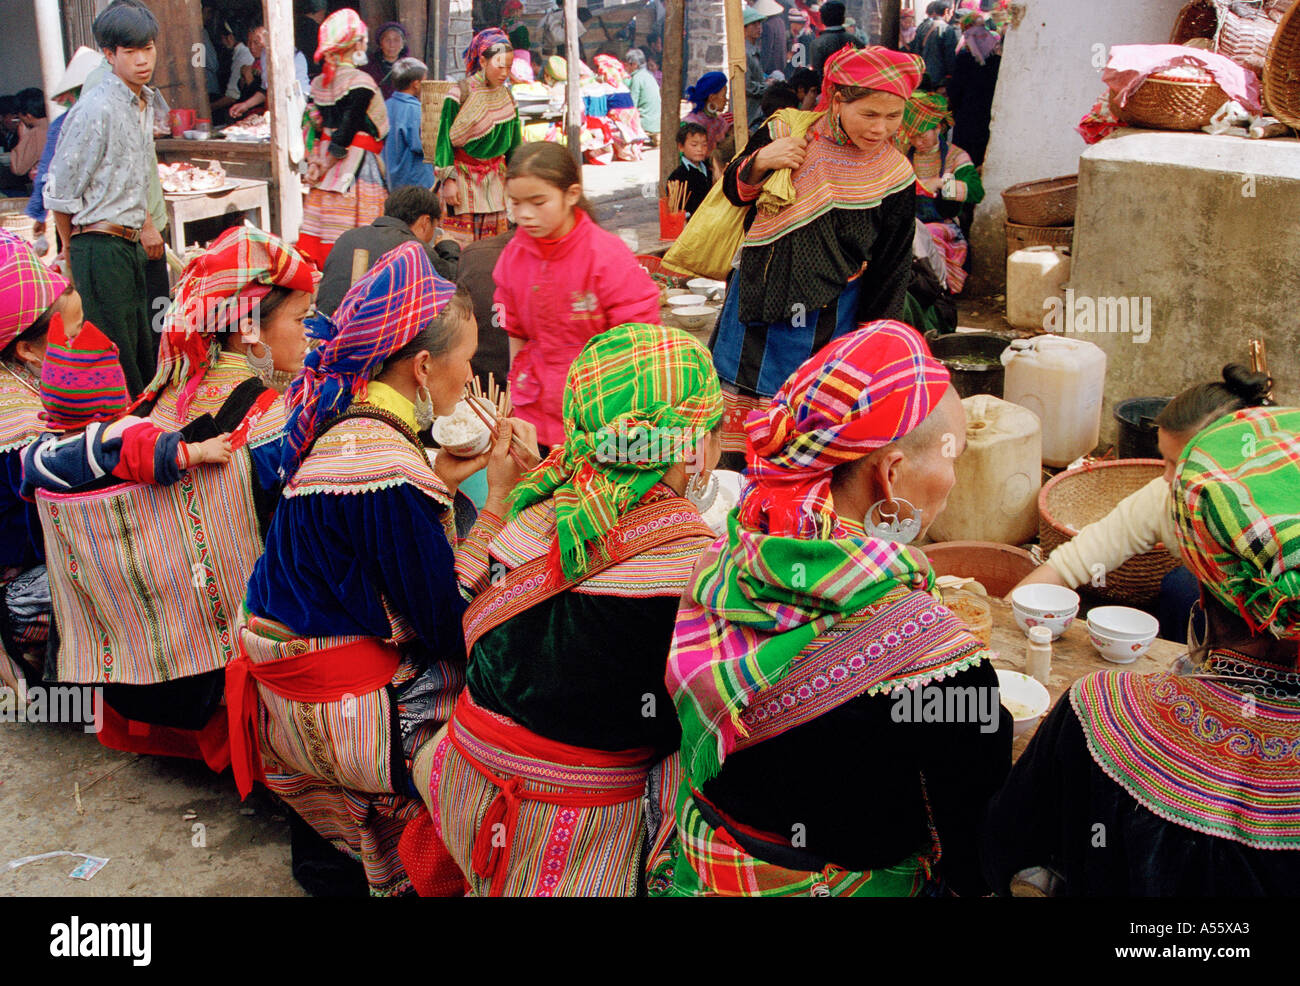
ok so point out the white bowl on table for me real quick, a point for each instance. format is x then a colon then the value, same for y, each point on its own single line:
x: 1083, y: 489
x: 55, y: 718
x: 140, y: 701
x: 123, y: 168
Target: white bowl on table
x: 1043, y: 605
x: 687, y: 300
x: 197, y: 134
x: 1024, y: 697
x: 463, y: 448
x: 1121, y: 634
x: 707, y: 286
x: 695, y: 317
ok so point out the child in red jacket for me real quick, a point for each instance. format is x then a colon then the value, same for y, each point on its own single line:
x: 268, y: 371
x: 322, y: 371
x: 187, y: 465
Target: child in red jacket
x: 561, y: 281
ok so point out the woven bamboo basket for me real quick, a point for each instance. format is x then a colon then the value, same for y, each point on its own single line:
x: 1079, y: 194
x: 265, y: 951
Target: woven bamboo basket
x: 1245, y: 33
x: 18, y: 223
x: 1197, y: 19
x: 1165, y: 102
x: 1020, y: 236
x: 433, y: 94
x: 1282, y: 70
x: 1075, y: 498
x: 13, y: 205
x: 1047, y: 202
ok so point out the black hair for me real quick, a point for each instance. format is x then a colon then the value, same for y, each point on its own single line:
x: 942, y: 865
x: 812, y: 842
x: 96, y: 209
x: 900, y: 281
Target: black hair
x: 832, y: 12
x: 937, y: 8
x: 439, y: 334
x: 778, y: 96
x: 805, y: 78
x: 273, y: 299
x: 551, y: 163
x: 8, y: 105
x: 38, y: 329
x: 686, y: 129
x: 407, y: 71
x: 409, y: 202
x: 125, y: 24
x: 1202, y: 403
x: 32, y: 102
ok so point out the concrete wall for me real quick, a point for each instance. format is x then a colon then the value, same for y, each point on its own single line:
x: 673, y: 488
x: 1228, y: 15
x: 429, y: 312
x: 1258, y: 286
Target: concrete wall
x: 1203, y: 228
x: 21, y: 65
x: 1050, y: 76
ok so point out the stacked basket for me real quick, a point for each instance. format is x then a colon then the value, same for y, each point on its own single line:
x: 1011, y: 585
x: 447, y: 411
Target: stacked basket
x: 1041, y: 212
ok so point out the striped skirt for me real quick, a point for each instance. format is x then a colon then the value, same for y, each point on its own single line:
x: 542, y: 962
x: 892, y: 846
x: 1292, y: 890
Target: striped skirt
x: 328, y: 215
x: 525, y: 816
x: 949, y: 237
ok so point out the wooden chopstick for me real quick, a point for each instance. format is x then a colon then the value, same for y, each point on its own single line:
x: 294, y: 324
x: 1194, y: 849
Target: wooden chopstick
x: 520, y: 452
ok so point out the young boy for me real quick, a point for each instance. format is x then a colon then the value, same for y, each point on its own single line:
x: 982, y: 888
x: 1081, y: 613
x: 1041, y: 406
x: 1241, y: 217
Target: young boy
x: 97, y: 189
x: 403, y: 153
x: 693, y: 149
x: 82, y: 387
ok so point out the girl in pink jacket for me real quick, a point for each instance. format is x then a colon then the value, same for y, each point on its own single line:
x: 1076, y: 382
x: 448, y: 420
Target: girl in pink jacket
x: 560, y: 281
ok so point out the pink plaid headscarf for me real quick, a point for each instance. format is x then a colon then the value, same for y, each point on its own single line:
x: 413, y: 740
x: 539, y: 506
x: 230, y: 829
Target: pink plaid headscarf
x: 339, y: 32
x: 861, y: 392
x: 27, y: 287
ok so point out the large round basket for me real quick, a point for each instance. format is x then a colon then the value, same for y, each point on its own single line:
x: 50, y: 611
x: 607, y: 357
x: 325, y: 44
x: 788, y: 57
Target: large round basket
x: 1166, y: 102
x: 1282, y: 70
x: 1197, y: 19
x: 1047, y: 202
x: 1073, y: 499
x: 1245, y: 34
x: 1020, y: 236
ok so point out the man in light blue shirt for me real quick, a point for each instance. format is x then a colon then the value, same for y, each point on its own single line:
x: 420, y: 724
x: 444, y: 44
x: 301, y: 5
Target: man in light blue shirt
x: 645, y: 93
x: 403, y: 151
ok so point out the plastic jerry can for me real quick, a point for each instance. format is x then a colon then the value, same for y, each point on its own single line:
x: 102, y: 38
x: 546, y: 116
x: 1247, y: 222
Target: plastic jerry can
x: 1061, y: 380
x: 1034, y: 275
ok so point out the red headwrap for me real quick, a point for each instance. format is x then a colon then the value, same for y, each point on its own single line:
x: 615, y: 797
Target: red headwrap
x: 861, y: 392
x: 896, y: 72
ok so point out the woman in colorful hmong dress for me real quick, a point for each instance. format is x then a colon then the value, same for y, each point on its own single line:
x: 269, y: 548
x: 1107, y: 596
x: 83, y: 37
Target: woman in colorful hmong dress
x: 841, y: 253
x: 708, y: 99
x: 945, y: 172
x: 347, y: 126
x: 353, y: 646
x: 565, y: 713
x: 811, y: 640
x: 30, y: 295
x: 1185, y: 783
x: 478, y: 128
x: 233, y: 330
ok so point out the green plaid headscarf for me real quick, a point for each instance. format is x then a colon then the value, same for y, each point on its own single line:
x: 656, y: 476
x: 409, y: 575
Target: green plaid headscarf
x: 636, y: 400
x: 924, y: 111
x: 1238, y: 515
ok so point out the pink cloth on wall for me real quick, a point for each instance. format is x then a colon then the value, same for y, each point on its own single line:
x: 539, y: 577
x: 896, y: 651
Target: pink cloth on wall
x: 1129, y: 66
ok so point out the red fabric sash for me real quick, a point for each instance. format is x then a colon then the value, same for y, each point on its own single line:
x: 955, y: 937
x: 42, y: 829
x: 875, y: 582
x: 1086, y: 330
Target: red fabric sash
x: 643, y: 528
x: 364, y: 141
x: 323, y: 675
x: 211, y: 744
x: 478, y: 167
x: 490, y: 853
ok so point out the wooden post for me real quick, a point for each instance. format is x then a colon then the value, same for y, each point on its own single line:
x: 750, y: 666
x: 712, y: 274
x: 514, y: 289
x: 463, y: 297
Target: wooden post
x: 671, y: 91
x: 179, y: 73
x: 890, y: 23
x: 286, y: 189
x: 574, y: 117
x: 413, y: 15
x: 736, y: 72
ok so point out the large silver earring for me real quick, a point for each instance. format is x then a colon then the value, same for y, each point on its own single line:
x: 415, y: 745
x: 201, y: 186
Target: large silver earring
x: 893, y: 526
x: 264, y: 365
x: 702, y: 490
x: 423, y: 409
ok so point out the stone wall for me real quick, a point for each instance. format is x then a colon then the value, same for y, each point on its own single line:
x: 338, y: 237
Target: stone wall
x: 460, y: 32
x: 706, y: 34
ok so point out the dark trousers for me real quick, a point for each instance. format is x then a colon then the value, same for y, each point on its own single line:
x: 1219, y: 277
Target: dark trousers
x: 159, y: 291
x: 109, y: 274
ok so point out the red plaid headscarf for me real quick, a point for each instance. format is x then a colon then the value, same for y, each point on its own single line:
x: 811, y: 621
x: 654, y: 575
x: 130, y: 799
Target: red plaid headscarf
x: 484, y: 40
x: 339, y: 32
x: 27, y: 287
x: 379, y: 315
x: 897, y: 72
x: 215, y: 288
x: 861, y: 392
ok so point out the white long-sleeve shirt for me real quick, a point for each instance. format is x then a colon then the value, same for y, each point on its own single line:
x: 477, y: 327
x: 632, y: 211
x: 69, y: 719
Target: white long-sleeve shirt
x: 1138, y: 523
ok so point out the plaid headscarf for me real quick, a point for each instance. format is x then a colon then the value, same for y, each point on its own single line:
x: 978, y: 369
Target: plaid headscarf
x: 1238, y: 518
x: 878, y: 68
x: 82, y: 380
x: 636, y: 399
x: 339, y: 32
x: 924, y: 111
x: 787, y: 571
x: 27, y: 287
x: 611, y: 71
x: 379, y: 315
x: 866, y: 389
x: 214, y: 291
x: 479, y: 46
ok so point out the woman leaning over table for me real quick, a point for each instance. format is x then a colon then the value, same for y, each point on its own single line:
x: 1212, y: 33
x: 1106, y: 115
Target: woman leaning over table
x: 1185, y: 782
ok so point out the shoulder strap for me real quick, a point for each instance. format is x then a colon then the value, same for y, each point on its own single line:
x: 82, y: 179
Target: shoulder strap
x: 236, y: 415
x: 645, y: 527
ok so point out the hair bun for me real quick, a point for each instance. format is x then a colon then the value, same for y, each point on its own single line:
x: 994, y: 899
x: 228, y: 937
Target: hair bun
x: 1246, y: 384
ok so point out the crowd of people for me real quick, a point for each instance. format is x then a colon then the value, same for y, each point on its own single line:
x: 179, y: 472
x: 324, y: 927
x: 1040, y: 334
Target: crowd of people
x: 246, y: 538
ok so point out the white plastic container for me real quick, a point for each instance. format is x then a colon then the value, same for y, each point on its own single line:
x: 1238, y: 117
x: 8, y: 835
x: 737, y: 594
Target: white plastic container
x: 1034, y: 275
x: 998, y: 476
x: 1061, y: 380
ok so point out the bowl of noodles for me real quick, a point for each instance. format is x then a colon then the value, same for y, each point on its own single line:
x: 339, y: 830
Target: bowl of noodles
x: 1024, y: 697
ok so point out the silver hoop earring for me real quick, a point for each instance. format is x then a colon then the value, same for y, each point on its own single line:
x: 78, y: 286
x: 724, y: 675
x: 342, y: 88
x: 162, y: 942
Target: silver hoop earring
x: 423, y: 409
x: 893, y: 526
x: 264, y: 365
x: 702, y: 490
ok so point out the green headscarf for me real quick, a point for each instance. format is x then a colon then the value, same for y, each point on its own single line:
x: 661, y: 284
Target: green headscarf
x: 638, y: 399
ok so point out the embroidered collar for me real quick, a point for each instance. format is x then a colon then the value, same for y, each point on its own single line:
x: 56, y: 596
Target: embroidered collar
x: 384, y: 397
x: 20, y: 409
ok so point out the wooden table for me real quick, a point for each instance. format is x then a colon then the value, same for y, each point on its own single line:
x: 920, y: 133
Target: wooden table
x: 240, y: 158
x: 247, y: 195
x: 1073, y: 656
